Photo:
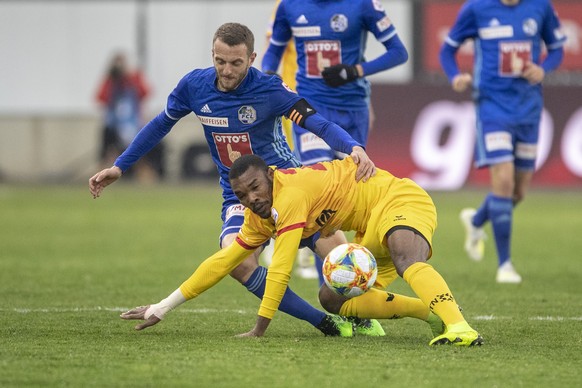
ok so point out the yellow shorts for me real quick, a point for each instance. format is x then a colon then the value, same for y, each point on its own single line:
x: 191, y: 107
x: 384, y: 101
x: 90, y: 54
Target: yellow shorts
x: 404, y: 204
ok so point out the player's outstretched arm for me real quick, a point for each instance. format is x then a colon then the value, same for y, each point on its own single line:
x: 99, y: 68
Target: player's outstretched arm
x: 141, y: 312
x: 366, y: 167
x: 102, y: 179
x: 152, y: 314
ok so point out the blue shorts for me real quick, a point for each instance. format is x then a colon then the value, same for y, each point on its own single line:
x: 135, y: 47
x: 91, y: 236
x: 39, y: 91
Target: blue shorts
x: 501, y: 142
x: 233, y: 215
x: 311, y: 149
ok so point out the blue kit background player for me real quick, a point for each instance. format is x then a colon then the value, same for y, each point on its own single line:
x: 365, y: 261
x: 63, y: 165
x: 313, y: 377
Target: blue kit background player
x: 240, y: 109
x: 330, y: 39
x: 509, y: 37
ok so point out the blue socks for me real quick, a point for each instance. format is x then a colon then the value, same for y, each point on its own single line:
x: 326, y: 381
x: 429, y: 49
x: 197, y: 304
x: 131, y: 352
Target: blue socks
x: 499, y: 211
x: 319, y: 267
x: 291, y: 303
x: 482, y: 215
x: 501, y: 214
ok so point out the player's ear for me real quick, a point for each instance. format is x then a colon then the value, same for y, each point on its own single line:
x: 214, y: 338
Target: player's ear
x: 252, y: 58
x: 270, y: 173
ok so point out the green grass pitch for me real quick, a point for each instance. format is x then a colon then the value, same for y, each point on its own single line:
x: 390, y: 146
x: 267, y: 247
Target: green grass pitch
x: 70, y: 264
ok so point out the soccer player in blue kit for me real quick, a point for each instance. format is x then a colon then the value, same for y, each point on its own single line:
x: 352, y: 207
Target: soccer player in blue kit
x: 330, y: 39
x: 240, y: 109
x: 507, y: 91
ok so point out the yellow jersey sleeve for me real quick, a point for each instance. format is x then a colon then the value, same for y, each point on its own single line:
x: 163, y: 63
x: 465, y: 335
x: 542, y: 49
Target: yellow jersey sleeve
x: 213, y: 269
x: 279, y: 272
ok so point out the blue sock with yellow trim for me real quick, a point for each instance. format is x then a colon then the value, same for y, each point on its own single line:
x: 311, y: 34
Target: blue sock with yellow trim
x: 291, y: 303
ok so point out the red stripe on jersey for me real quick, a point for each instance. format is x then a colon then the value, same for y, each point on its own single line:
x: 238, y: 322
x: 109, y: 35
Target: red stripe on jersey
x: 245, y: 245
x: 290, y: 227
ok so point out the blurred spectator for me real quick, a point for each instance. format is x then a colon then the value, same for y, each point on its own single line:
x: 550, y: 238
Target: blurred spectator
x: 121, y: 93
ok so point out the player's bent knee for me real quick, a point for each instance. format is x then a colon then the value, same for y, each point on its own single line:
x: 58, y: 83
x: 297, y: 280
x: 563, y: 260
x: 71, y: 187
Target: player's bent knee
x: 330, y: 301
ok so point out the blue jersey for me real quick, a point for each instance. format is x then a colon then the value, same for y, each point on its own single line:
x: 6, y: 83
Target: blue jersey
x: 328, y: 33
x: 246, y: 120
x: 506, y: 38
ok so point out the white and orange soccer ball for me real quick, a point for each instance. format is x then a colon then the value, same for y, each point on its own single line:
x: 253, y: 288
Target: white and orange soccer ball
x: 350, y: 270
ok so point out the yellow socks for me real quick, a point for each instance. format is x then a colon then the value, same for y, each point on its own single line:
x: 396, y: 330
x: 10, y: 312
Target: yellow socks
x: 382, y: 304
x: 432, y: 289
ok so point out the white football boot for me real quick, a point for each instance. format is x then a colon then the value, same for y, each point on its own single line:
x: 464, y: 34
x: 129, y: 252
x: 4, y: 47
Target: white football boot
x: 507, y: 274
x: 474, y: 237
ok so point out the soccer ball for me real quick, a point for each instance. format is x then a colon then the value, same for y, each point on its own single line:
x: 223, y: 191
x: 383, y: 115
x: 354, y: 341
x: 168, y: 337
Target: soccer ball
x: 350, y: 270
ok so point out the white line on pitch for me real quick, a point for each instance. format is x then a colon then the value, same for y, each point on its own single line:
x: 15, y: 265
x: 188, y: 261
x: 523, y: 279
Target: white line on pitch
x: 116, y: 309
x: 252, y: 311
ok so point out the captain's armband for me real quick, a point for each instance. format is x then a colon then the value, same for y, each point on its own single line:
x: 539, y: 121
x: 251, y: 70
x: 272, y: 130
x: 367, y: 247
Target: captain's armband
x: 300, y: 112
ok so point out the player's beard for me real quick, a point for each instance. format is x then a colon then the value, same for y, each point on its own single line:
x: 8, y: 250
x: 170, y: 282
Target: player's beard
x: 230, y: 83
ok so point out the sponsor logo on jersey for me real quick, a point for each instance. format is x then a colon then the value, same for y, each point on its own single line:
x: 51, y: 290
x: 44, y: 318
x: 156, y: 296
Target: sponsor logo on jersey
x: 274, y: 214
x: 384, y: 23
x: 321, y: 54
x: 324, y: 217
x: 214, y: 121
x: 497, y: 141
x: 301, y: 20
x: 310, y: 142
x: 205, y: 109
x: 235, y: 210
x: 513, y: 57
x: 306, y: 32
x: 247, y: 114
x: 496, y: 32
x: 231, y: 146
x: 530, y: 27
x: 339, y: 22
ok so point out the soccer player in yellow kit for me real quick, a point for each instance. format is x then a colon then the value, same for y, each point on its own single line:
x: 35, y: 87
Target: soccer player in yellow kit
x: 394, y: 218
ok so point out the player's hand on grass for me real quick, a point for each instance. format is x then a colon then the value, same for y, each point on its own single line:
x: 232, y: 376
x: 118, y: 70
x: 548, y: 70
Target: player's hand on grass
x: 251, y: 333
x: 103, y: 179
x: 258, y: 330
x: 141, y: 312
x: 366, y: 167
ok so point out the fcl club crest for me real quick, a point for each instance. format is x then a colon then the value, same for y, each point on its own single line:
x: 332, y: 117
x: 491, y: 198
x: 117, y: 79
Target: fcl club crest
x: 247, y: 114
x: 530, y: 27
x: 339, y: 22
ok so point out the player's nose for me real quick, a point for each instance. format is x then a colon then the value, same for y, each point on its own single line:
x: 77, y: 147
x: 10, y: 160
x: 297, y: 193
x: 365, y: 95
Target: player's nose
x: 227, y: 70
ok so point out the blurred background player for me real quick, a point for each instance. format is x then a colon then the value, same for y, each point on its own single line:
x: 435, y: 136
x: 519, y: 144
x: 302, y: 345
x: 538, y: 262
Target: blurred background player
x: 121, y: 94
x: 507, y: 91
x: 330, y: 39
x: 306, y: 266
x: 240, y: 109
